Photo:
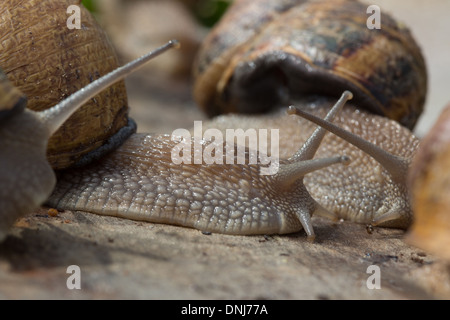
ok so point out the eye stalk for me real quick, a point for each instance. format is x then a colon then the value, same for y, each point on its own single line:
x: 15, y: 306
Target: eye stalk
x: 56, y: 116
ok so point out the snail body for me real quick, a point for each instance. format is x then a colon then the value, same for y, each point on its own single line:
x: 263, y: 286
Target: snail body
x: 138, y: 181
x: 224, y: 198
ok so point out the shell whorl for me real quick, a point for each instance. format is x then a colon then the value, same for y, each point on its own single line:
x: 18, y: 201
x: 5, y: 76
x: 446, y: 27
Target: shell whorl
x: 287, y: 49
x: 48, y: 62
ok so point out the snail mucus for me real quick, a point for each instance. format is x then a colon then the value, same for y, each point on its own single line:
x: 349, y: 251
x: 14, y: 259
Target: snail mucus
x: 139, y: 181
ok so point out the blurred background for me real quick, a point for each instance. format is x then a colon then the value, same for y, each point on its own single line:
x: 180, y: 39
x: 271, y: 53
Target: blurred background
x: 160, y: 94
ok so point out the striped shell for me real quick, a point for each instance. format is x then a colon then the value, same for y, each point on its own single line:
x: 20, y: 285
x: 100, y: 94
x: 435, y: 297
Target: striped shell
x: 48, y: 61
x: 265, y: 53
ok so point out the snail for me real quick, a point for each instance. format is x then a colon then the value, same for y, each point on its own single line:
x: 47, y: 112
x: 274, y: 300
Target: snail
x: 139, y: 180
x: 303, y: 53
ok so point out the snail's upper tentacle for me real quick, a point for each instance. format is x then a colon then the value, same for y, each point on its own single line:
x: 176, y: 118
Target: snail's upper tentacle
x: 312, y: 144
x: 54, y: 117
x: 396, y: 165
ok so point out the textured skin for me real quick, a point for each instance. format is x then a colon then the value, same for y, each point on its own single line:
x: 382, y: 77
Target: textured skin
x: 359, y: 192
x: 140, y: 181
x: 12, y: 100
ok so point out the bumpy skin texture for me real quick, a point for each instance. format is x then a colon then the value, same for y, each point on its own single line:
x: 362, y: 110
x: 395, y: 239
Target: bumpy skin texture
x: 362, y: 191
x: 140, y: 181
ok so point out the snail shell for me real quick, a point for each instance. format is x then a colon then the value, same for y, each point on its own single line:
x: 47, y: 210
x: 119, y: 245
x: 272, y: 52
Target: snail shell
x: 266, y: 53
x: 430, y: 181
x: 48, y: 62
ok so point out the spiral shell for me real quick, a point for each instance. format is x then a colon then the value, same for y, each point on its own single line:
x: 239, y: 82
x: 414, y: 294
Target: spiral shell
x: 266, y: 53
x: 47, y: 61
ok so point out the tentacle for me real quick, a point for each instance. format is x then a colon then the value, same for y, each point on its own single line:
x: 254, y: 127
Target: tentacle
x: 57, y: 115
x: 291, y: 172
x: 397, y: 166
x: 310, y: 147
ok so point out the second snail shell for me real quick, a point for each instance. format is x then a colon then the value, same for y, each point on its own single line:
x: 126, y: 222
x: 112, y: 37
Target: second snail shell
x: 266, y: 53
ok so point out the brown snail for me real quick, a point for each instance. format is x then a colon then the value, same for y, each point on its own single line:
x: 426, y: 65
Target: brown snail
x: 300, y: 53
x: 139, y: 180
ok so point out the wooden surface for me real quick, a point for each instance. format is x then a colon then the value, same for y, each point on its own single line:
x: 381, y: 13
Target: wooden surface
x: 121, y: 259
